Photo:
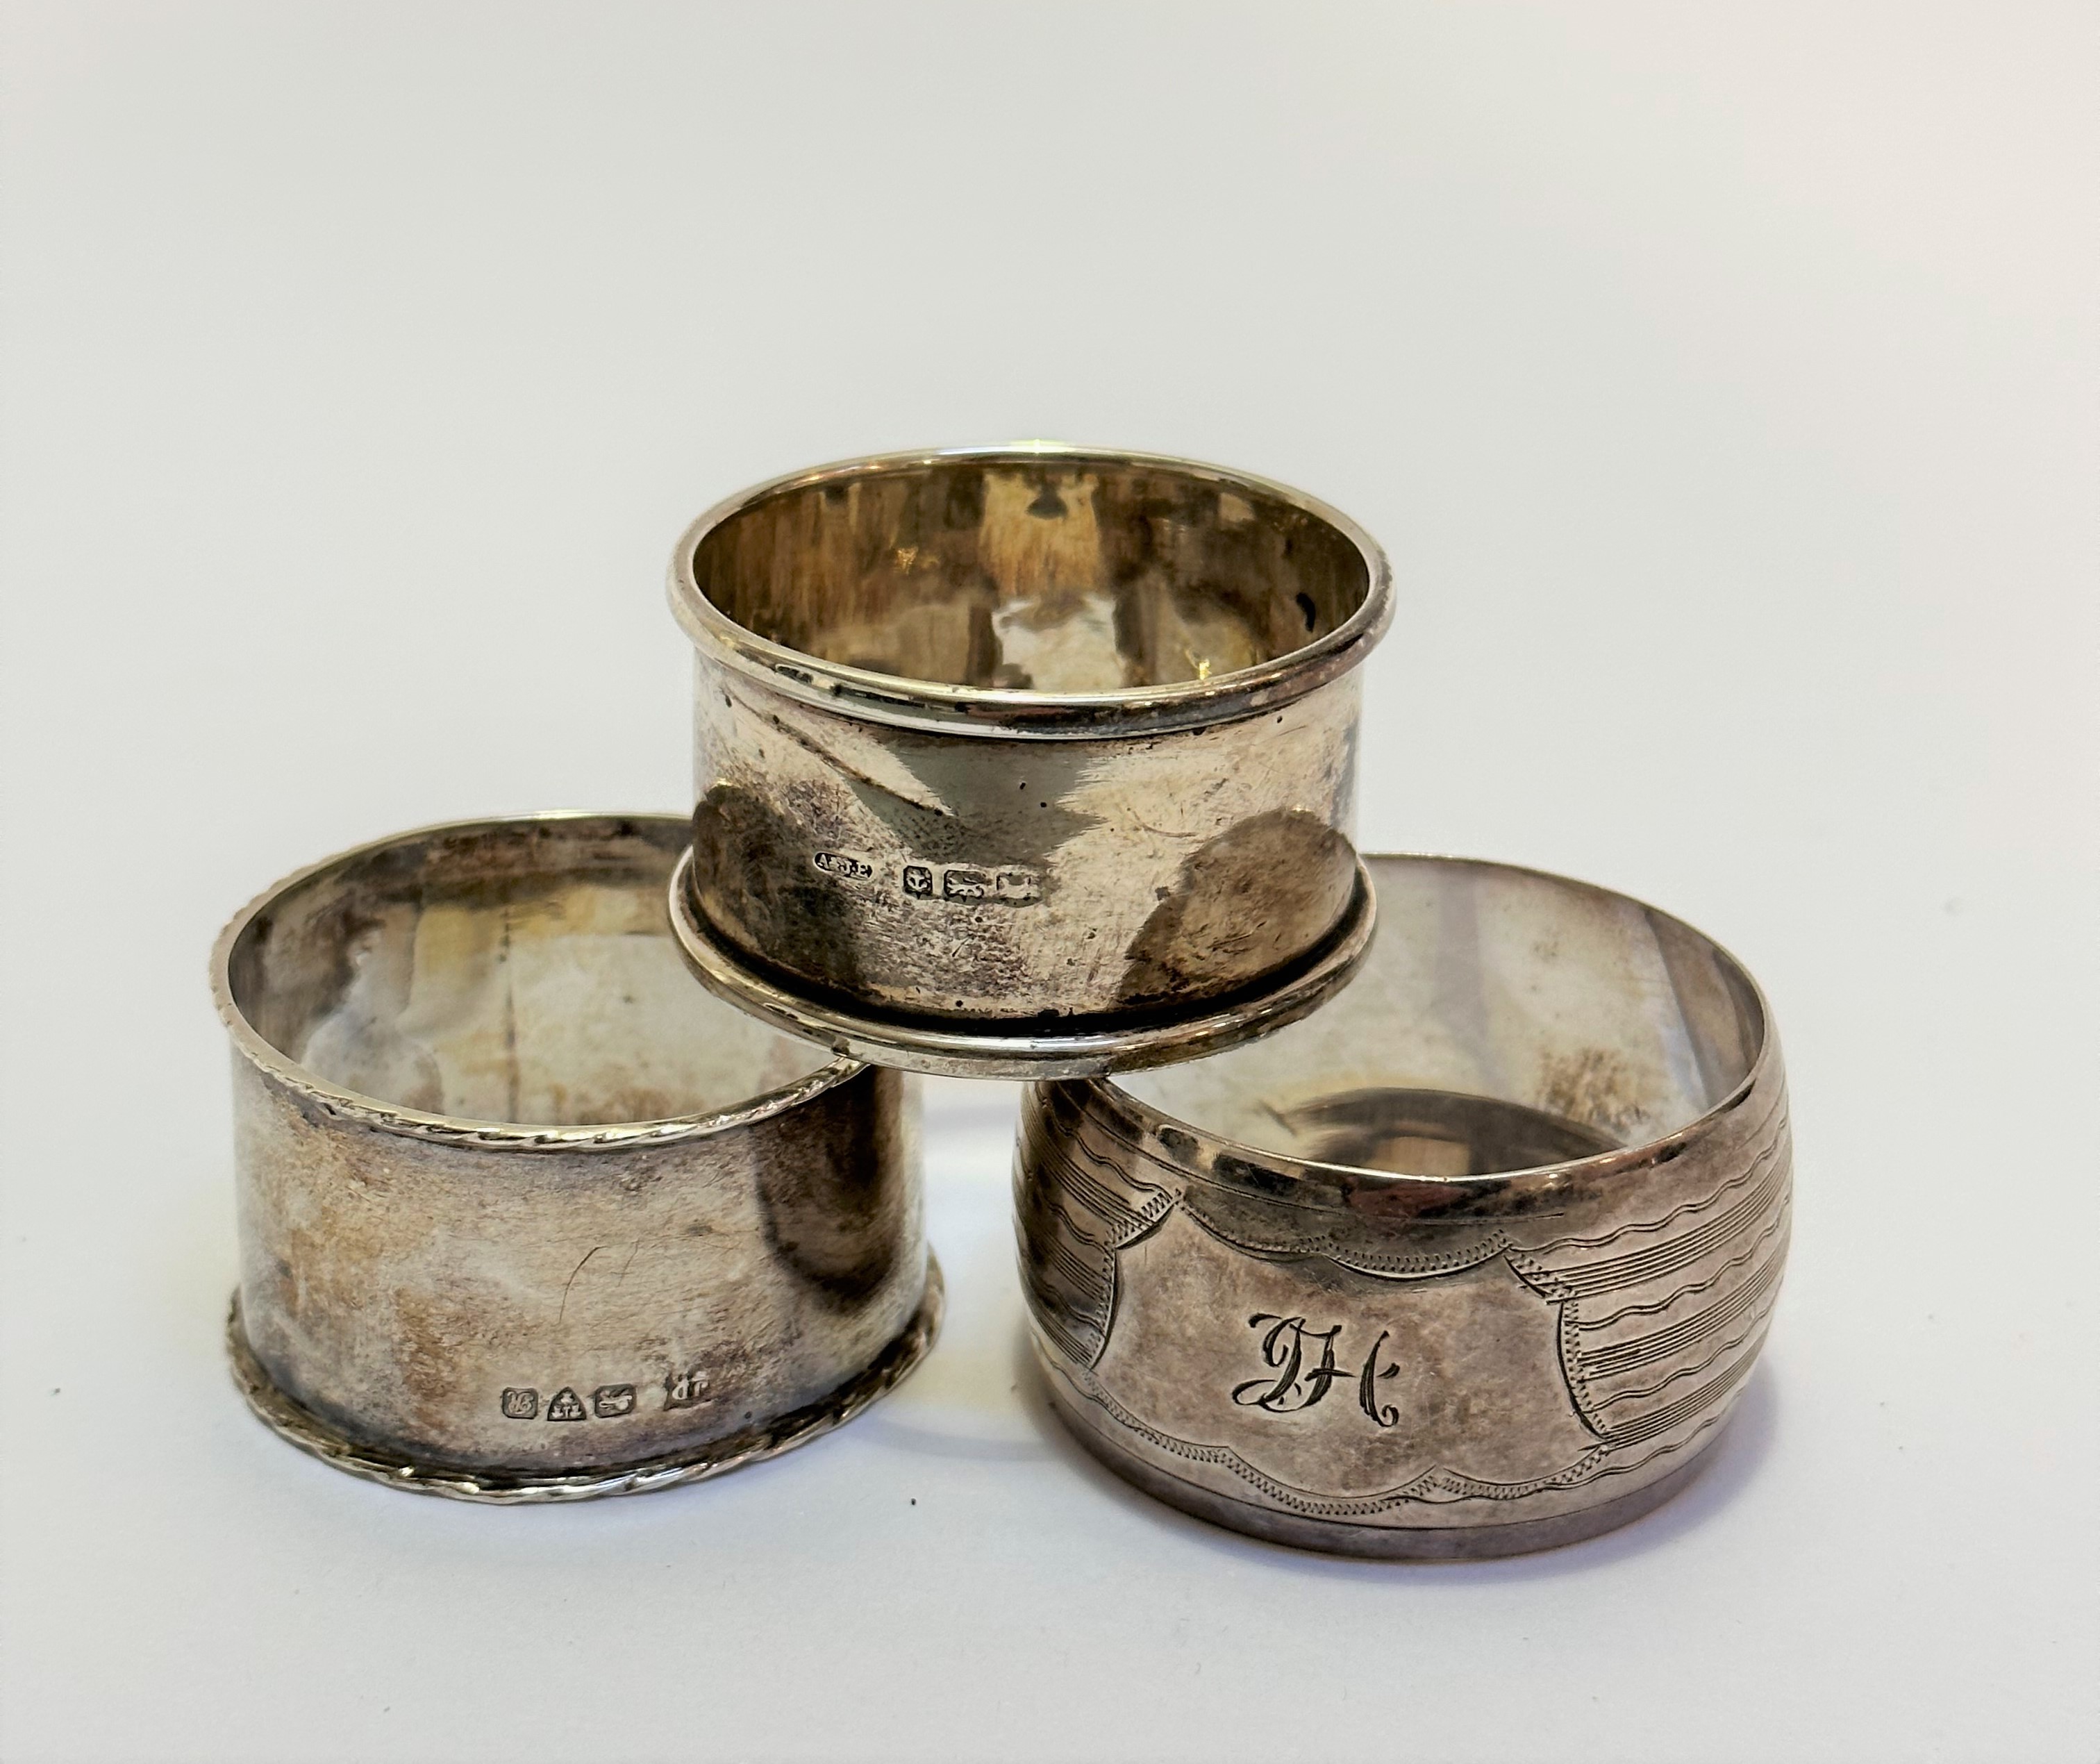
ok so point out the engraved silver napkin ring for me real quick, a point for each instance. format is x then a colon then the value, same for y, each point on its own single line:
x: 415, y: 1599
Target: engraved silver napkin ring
x: 525, y: 1214
x: 1532, y: 1337
x: 1025, y: 762
x: 1032, y: 762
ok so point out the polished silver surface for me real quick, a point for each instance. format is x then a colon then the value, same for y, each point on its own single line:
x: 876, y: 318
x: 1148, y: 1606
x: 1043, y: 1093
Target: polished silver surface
x: 526, y: 1215
x: 1474, y: 1261
x: 1028, y: 760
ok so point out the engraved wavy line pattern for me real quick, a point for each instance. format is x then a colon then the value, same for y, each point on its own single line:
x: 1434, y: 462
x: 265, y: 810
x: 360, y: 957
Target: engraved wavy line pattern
x: 1073, y: 1292
x: 1066, y: 1181
x: 1052, y: 1314
x: 1111, y: 1209
x: 1781, y: 1138
x: 1061, y: 1336
x: 1054, y: 1161
x: 1100, y: 1161
x: 1036, y: 1125
x: 1650, y: 1426
x: 1644, y: 1350
x: 1589, y: 1280
x: 1053, y: 1319
x: 1081, y: 1119
x: 1765, y: 1153
x: 1582, y: 1282
x: 1078, y: 1122
x: 1776, y: 1124
x: 1107, y: 1128
x: 1747, y: 1220
x: 1617, y: 1359
x: 1073, y: 1265
x: 1778, y: 1220
x: 1756, y: 1322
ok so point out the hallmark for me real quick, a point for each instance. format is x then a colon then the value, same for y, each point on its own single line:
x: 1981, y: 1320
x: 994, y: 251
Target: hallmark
x: 684, y: 1390
x: 608, y: 1402
x: 1010, y: 885
x: 844, y: 863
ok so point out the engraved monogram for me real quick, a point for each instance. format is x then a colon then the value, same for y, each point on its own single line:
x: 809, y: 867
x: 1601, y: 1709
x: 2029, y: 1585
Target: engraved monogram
x: 1300, y: 1385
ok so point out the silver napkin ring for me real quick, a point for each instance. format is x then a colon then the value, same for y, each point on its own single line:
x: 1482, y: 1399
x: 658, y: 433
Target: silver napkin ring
x: 1025, y: 761
x: 1532, y: 1336
x: 525, y: 1215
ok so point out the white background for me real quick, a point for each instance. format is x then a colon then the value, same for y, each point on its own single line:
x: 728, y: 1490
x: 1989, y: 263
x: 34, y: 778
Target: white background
x: 1722, y: 380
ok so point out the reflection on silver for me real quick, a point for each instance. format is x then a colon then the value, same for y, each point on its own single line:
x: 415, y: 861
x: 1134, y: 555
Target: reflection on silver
x: 1025, y: 761
x: 1475, y: 1261
x: 525, y: 1214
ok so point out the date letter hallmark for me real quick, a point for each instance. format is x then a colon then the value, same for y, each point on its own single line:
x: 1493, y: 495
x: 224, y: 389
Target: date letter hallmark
x: 1297, y: 1385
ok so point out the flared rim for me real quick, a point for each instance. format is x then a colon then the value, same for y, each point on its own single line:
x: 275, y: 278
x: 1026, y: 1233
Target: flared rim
x: 294, y: 1421
x: 371, y: 1111
x: 1208, y: 1147
x: 902, y: 699
x: 1007, y: 1050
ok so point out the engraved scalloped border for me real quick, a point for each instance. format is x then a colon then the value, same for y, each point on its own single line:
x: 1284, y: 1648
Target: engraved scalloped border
x: 1772, y: 1138
x: 294, y: 1421
x: 1454, y: 1487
